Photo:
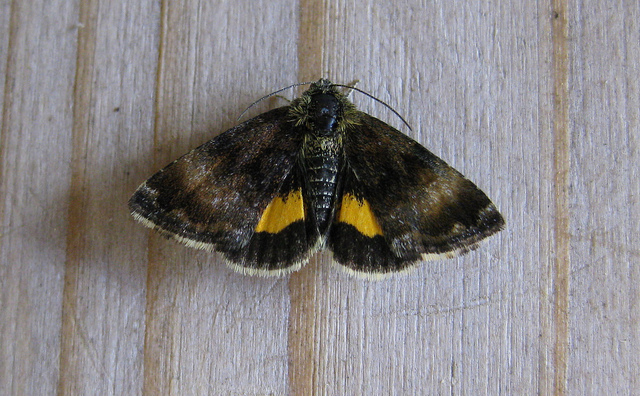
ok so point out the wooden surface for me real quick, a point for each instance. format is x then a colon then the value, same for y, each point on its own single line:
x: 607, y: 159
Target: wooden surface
x: 536, y: 102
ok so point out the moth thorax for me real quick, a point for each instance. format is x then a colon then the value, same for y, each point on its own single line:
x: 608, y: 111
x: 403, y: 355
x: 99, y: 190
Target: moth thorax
x: 322, y: 157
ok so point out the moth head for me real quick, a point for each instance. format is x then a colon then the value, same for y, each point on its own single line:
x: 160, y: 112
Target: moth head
x: 323, y: 109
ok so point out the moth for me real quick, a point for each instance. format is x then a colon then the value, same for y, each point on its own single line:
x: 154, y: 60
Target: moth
x: 316, y: 174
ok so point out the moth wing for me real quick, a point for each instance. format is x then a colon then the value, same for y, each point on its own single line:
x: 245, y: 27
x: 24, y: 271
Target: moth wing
x: 401, y: 204
x: 239, y: 194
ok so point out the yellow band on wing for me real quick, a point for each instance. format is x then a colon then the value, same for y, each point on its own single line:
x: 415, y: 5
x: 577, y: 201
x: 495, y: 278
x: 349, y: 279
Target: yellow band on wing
x: 358, y: 214
x: 281, y: 212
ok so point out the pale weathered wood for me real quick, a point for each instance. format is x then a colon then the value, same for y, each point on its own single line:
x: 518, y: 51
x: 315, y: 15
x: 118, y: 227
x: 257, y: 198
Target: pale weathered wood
x: 38, y: 64
x: 104, y: 294
x: 604, y: 194
x: 538, y: 103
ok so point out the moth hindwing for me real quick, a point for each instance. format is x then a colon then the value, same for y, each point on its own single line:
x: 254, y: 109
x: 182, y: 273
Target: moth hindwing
x: 270, y: 192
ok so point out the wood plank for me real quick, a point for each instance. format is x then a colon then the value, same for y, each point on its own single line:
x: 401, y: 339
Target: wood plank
x: 37, y: 57
x: 104, y: 296
x: 537, y: 103
x: 604, y: 313
x: 562, y: 221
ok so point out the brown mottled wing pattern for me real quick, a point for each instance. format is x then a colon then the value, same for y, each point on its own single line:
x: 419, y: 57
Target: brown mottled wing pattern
x: 424, y: 207
x: 213, y: 197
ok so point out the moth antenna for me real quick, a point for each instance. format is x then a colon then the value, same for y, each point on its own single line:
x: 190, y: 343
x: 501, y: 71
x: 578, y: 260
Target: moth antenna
x: 378, y: 100
x: 271, y: 94
x: 352, y: 84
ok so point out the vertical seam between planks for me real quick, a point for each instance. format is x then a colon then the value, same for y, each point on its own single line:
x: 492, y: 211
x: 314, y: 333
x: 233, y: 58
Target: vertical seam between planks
x: 7, y: 101
x: 150, y: 369
x: 302, y: 340
x: 7, y: 104
x: 561, y: 167
x: 82, y: 91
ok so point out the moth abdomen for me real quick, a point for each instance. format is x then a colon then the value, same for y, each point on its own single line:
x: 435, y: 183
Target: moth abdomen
x: 322, y: 160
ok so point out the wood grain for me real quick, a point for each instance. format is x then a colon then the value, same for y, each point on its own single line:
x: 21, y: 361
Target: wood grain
x: 38, y: 65
x: 561, y: 166
x: 537, y: 103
